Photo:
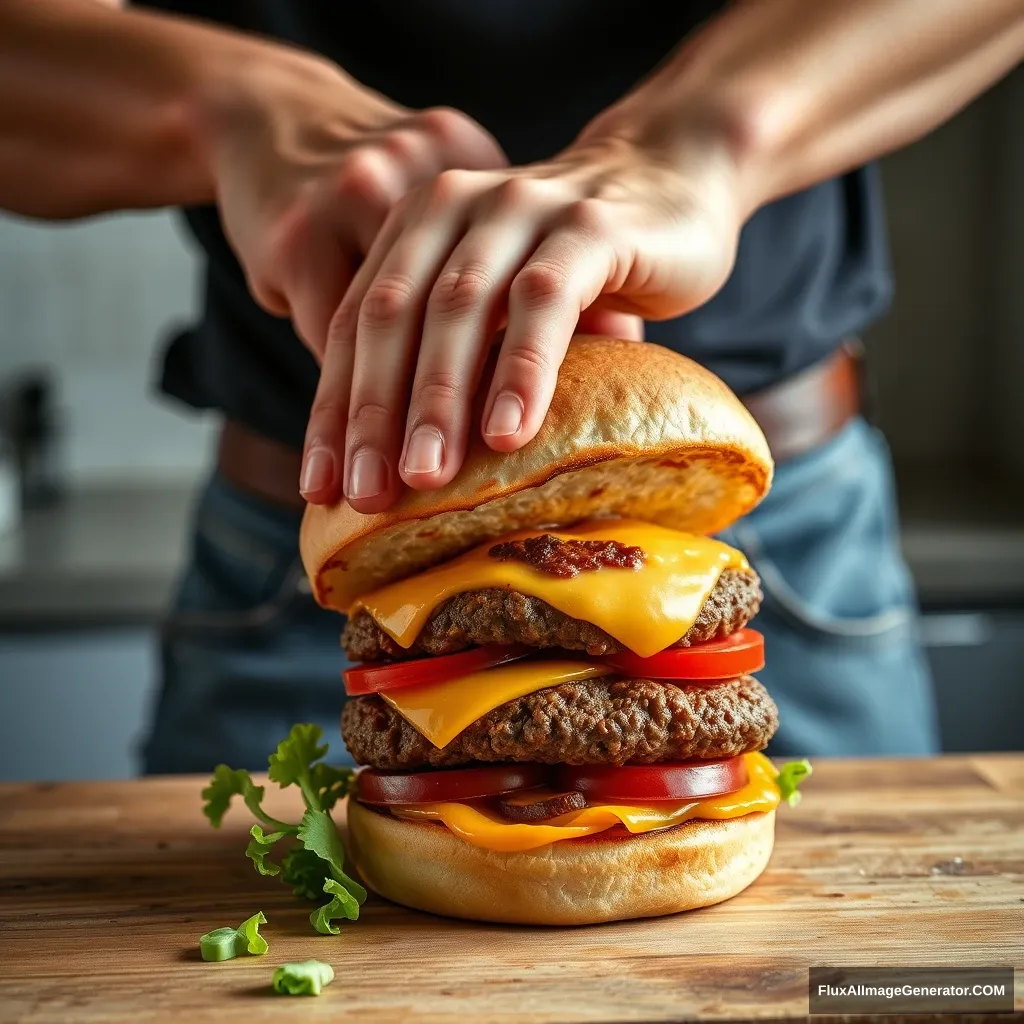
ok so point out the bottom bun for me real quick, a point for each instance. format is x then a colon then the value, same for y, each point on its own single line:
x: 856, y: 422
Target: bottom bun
x: 575, y: 881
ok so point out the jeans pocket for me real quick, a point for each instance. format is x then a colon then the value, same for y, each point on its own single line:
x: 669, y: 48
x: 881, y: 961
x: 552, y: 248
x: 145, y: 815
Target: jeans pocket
x: 244, y: 574
x: 894, y: 617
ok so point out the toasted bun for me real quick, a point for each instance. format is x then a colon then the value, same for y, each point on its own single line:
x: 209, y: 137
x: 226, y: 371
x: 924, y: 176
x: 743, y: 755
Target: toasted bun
x: 576, y: 881
x: 634, y: 431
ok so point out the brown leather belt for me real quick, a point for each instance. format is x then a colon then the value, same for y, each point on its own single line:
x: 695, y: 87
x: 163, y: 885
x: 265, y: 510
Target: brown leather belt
x: 802, y: 412
x: 797, y: 415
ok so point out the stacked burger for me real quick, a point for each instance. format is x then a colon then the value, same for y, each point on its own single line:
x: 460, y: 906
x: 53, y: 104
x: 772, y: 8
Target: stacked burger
x: 553, y: 697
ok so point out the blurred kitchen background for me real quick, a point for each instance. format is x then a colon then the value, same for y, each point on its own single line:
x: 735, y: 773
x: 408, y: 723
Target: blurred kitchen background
x: 83, y: 578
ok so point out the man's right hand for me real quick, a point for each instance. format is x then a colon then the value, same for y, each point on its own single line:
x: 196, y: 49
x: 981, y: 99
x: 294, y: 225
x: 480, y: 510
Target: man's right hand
x: 307, y: 164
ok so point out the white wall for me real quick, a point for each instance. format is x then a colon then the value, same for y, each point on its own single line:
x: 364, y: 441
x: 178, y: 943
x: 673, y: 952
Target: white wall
x: 96, y: 300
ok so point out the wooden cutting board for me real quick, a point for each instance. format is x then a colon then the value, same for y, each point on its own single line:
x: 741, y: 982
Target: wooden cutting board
x: 106, y: 887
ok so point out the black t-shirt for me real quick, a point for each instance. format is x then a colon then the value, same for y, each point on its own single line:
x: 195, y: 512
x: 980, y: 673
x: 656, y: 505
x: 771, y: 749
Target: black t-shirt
x: 811, y: 270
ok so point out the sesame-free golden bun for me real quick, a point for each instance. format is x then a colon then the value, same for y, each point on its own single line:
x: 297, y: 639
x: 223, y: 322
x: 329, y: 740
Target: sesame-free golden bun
x: 421, y: 864
x: 634, y: 431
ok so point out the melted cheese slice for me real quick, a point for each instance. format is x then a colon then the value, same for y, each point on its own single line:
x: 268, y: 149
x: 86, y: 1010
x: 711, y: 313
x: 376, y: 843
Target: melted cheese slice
x: 645, y: 609
x: 477, y: 824
x: 440, y: 711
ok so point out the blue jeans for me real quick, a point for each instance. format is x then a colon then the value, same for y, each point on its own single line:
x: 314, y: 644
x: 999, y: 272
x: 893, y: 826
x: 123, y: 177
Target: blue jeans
x: 246, y: 652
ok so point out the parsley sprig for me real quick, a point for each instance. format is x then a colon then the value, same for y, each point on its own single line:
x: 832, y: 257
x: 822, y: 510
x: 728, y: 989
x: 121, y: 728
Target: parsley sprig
x: 314, y: 864
x: 791, y: 774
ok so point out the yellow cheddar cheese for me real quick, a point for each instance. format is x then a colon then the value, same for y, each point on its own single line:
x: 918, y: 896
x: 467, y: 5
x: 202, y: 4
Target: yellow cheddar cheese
x: 477, y: 824
x: 440, y: 711
x: 645, y: 609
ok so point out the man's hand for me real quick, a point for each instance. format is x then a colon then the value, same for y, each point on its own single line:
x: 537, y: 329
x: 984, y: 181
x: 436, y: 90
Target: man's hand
x: 116, y: 109
x: 307, y: 166
x: 606, y: 232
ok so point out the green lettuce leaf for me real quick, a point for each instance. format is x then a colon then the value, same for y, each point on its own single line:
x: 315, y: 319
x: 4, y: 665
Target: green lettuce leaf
x: 259, y: 848
x: 343, y: 904
x: 307, y: 978
x: 330, y: 783
x: 319, y: 859
x: 791, y: 774
x: 231, y: 782
x: 319, y: 835
x: 290, y: 764
x: 305, y: 872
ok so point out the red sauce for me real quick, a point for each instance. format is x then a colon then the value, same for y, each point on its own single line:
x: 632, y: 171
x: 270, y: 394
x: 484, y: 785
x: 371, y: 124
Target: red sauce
x: 568, y: 558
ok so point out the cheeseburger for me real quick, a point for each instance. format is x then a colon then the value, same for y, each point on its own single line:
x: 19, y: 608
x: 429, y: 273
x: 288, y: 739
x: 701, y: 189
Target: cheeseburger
x: 554, y: 700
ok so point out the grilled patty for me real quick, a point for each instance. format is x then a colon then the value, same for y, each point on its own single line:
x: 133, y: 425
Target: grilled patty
x: 495, y: 616
x: 595, y: 721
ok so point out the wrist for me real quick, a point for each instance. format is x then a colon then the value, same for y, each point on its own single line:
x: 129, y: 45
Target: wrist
x: 267, y: 101
x: 719, y: 133
x: 693, y: 148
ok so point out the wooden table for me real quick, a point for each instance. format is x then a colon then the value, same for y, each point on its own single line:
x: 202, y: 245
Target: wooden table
x: 106, y: 887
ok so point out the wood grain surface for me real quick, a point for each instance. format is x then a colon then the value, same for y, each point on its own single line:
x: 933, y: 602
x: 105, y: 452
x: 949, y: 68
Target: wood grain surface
x: 105, y: 889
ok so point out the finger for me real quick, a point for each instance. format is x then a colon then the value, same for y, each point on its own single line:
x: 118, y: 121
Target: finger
x: 318, y: 285
x: 464, y: 310
x: 611, y: 323
x: 564, y: 276
x: 320, y: 480
x: 388, y: 331
x: 369, y: 183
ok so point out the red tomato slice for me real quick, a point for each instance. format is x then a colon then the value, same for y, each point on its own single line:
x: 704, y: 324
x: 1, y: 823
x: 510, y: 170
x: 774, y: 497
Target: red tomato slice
x: 736, y: 655
x: 680, y: 780
x: 383, y: 787
x: 370, y: 678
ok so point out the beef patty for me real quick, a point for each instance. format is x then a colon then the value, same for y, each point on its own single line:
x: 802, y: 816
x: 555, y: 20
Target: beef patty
x: 594, y: 721
x: 496, y: 616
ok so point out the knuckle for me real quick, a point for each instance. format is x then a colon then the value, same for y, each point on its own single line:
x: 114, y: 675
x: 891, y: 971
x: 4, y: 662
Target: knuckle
x: 385, y: 302
x: 361, y: 175
x: 364, y: 417
x: 327, y: 407
x: 450, y: 186
x: 341, y: 331
x: 439, y: 390
x: 458, y: 291
x: 400, y: 143
x: 589, y: 215
x: 539, y: 284
x: 444, y: 123
x: 523, y: 362
x: 514, y: 193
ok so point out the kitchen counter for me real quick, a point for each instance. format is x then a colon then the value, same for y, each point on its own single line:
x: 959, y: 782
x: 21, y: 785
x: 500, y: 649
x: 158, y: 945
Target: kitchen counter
x: 101, y: 556
x: 106, y: 888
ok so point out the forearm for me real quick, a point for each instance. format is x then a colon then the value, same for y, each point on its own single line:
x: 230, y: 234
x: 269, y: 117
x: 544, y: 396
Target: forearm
x: 801, y: 90
x: 106, y: 109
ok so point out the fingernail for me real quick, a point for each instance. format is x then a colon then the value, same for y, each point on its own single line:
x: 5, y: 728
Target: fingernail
x: 317, y: 470
x: 367, y: 475
x: 425, y: 451
x: 506, y: 415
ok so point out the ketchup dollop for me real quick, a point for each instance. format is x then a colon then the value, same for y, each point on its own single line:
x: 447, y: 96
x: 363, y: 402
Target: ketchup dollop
x: 568, y: 558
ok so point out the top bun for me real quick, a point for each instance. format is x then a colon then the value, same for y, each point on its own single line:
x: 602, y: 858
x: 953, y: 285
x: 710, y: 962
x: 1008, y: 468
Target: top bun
x: 635, y: 431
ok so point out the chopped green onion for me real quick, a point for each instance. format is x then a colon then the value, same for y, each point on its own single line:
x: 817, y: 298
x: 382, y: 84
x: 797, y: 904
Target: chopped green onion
x: 227, y: 943
x: 220, y: 944
x: 302, y: 979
